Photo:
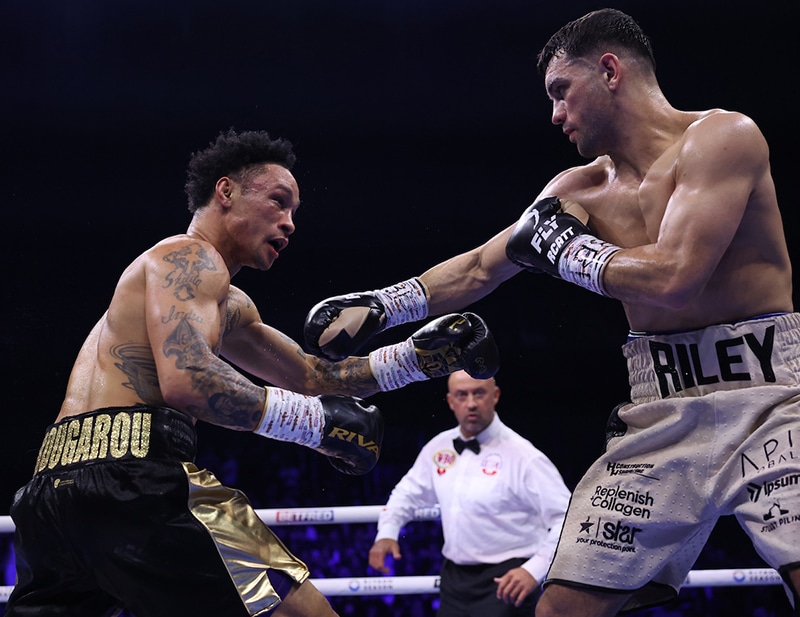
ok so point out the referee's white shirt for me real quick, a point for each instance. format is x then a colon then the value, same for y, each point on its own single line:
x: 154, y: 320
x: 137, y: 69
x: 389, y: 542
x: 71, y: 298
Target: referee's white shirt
x: 508, y: 501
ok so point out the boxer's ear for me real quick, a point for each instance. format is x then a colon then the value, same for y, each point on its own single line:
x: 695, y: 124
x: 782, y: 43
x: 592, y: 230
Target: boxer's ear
x: 611, y: 66
x: 223, y: 190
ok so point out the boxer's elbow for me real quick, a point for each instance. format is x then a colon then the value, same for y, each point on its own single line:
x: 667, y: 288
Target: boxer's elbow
x: 178, y: 393
x: 673, y: 286
x: 674, y: 299
x: 676, y: 290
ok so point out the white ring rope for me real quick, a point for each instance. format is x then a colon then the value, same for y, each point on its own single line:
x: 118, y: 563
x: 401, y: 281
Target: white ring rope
x: 401, y: 585
x: 334, y: 515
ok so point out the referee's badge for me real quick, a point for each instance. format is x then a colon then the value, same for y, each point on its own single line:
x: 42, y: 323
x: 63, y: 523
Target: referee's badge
x: 492, y: 464
x: 444, y: 459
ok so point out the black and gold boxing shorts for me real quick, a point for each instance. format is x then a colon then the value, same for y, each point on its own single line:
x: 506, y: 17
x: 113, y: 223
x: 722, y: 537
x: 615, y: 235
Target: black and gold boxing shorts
x: 118, y: 515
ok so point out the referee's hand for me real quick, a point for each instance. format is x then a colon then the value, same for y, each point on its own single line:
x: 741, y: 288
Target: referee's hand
x: 378, y: 552
x: 514, y: 586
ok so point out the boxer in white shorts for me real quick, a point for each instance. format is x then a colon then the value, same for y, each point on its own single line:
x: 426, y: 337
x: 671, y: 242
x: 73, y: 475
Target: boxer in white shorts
x: 675, y: 215
x: 714, y: 429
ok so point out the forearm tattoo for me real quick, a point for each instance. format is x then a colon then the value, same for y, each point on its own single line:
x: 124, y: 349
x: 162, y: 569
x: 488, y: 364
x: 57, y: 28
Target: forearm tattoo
x: 234, y: 400
x: 351, y: 376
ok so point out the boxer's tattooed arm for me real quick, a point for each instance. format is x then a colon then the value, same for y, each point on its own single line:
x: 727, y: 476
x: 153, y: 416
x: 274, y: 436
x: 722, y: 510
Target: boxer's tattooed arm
x: 235, y: 402
x: 188, y: 262
x: 175, y: 314
x: 351, y: 376
x: 232, y: 318
x: 239, y: 310
x: 137, y: 364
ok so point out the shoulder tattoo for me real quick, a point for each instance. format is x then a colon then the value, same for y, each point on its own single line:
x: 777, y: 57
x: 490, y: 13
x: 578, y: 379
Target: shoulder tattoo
x: 188, y: 263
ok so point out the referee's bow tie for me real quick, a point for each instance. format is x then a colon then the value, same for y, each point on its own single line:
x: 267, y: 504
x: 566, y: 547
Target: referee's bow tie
x: 459, y: 444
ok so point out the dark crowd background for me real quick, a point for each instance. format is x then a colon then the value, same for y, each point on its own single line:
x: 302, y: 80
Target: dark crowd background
x: 421, y: 129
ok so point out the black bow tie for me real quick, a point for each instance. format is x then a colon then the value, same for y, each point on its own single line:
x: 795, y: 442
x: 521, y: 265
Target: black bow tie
x: 459, y: 444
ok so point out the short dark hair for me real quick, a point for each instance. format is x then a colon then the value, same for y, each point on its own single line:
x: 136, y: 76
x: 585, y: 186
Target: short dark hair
x: 232, y: 154
x: 589, y: 33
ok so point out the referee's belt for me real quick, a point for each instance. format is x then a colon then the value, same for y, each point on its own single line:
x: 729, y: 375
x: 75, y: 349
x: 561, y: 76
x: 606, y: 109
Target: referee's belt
x: 117, y: 433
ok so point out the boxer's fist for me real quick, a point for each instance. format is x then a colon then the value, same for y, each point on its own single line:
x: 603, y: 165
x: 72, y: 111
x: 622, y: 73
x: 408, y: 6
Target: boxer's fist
x: 541, y: 236
x: 353, y: 433
x: 338, y: 327
x: 455, y: 342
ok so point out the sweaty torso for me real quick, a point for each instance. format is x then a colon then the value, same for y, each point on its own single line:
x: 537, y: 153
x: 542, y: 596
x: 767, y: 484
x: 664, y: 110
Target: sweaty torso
x: 753, y: 276
x: 116, y: 365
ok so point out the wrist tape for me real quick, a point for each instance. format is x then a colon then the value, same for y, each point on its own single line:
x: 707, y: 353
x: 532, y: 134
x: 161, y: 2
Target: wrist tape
x: 289, y: 416
x: 584, y: 260
x: 395, y: 366
x: 404, y: 302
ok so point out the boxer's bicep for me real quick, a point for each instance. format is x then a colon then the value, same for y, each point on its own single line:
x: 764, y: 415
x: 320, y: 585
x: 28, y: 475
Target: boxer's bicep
x: 183, y: 292
x: 715, y: 177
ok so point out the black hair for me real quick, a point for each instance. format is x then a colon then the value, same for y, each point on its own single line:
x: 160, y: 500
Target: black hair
x: 587, y: 34
x: 232, y: 154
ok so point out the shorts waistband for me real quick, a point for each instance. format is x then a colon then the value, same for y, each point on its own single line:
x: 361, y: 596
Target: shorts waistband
x: 758, y: 351
x: 117, y: 433
x: 635, y: 334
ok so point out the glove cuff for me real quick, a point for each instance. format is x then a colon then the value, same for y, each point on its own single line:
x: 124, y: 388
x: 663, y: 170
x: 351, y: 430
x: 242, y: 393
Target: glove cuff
x: 584, y: 260
x: 403, y: 302
x: 289, y: 416
x: 395, y: 366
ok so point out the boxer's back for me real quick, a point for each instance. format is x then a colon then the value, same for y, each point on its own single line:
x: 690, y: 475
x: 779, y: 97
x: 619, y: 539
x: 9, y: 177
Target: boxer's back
x: 115, y: 365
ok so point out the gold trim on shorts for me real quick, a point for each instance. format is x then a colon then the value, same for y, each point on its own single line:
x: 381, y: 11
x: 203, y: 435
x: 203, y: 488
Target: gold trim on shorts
x: 247, y: 546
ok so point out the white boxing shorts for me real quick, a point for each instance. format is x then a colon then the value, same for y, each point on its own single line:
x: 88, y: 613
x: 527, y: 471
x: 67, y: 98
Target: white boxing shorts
x: 713, y: 429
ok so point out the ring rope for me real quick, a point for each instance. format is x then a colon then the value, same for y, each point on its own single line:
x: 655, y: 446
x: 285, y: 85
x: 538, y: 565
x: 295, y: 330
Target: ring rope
x: 405, y: 585
x: 402, y: 585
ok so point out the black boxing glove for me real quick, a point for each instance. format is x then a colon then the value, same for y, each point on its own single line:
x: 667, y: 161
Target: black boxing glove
x: 455, y: 342
x: 615, y: 426
x: 547, y: 239
x: 450, y: 343
x: 339, y: 326
x: 344, y: 428
x: 353, y: 434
